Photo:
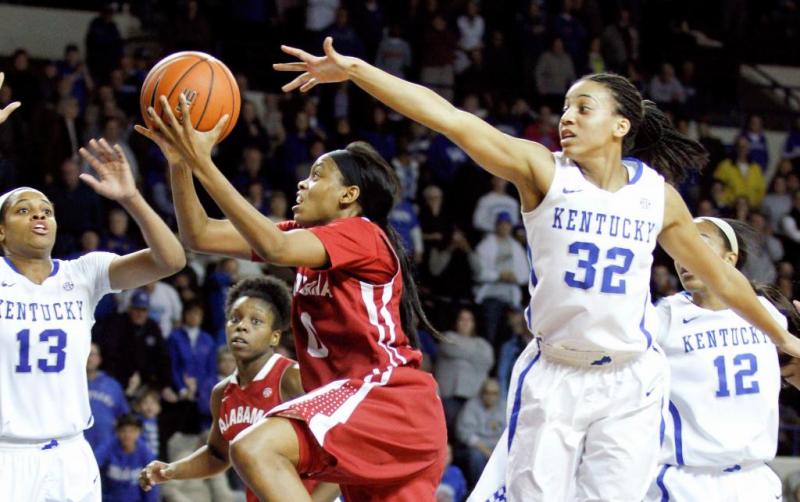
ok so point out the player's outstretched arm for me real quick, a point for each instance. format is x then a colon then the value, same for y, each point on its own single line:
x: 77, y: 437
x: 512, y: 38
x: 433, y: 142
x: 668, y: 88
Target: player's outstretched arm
x: 681, y: 240
x: 5, y: 112
x: 526, y: 164
x: 197, y: 231
x: 206, y: 461
x: 298, y: 248
x: 164, y: 255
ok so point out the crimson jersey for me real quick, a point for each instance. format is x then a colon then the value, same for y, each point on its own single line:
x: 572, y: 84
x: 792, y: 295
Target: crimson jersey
x: 346, y: 318
x: 242, y: 407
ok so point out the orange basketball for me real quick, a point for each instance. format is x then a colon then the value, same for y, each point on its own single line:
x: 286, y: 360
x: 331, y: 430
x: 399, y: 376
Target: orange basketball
x: 205, y: 81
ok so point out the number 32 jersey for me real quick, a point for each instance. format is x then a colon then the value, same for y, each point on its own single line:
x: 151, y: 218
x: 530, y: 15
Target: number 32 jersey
x: 724, y: 385
x: 590, y: 252
x: 45, y: 335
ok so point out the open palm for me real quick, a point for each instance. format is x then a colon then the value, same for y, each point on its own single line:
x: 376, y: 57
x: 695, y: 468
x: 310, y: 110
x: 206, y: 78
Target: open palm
x: 332, y: 67
x: 114, y: 177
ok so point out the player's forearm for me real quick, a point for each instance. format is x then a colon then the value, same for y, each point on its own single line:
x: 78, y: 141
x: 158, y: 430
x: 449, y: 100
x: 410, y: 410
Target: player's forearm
x: 735, y: 290
x: 192, y: 218
x: 166, y: 250
x: 261, y: 233
x: 411, y: 100
x: 200, y: 464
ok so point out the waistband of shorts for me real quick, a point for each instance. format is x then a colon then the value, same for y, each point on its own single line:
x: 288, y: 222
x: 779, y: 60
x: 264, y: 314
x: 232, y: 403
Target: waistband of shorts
x: 11, y: 443
x: 586, y: 358
x: 722, y: 469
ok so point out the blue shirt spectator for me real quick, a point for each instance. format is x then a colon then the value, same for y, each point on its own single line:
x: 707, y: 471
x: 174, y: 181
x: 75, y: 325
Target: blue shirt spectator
x: 120, y: 461
x: 192, y: 352
x: 106, y: 399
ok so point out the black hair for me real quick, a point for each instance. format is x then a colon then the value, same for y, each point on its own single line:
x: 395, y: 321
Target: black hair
x: 269, y: 289
x: 363, y: 166
x: 191, y: 305
x: 652, y: 138
x: 746, y: 237
x: 128, y: 419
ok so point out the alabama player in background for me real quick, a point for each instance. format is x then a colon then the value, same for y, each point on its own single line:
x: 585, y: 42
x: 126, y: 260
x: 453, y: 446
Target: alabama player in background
x: 371, y: 421
x: 257, y: 311
x: 722, y: 420
x: 46, y: 315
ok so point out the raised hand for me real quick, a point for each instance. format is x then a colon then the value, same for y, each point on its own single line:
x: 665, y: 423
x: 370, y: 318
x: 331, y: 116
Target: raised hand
x: 332, y: 67
x: 155, y: 473
x: 178, y: 139
x: 5, y: 112
x: 114, y: 177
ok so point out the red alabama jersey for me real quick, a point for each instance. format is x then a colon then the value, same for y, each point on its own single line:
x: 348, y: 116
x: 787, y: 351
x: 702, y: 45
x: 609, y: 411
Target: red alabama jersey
x: 242, y: 407
x: 346, y: 318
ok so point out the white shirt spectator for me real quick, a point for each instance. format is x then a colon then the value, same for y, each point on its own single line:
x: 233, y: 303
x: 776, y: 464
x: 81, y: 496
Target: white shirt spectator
x: 320, y: 14
x: 498, y: 255
x: 471, y: 30
x: 490, y: 206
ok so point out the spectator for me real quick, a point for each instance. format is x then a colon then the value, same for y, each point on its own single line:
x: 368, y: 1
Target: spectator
x: 555, y: 72
x: 148, y: 409
x: 663, y: 282
x: 106, y: 399
x: 250, y: 169
x: 453, y: 268
x: 217, y: 283
x: 778, y: 202
x: 471, y: 27
x: 378, y: 134
x: 480, y: 425
x: 346, y: 37
x: 82, y: 208
x: 438, y: 58
x: 572, y: 32
x: 164, y: 306
x: 113, y: 133
x: 120, y: 461
x: 407, y: 169
x: 88, y: 242
x: 403, y: 219
x: 463, y: 363
x: 790, y: 227
x: 453, y: 487
x: 492, y: 204
x: 740, y: 176
x: 520, y: 337
x: 194, y: 30
x: 434, y: 223
x: 116, y: 238
x: 757, y: 141
x: 192, y: 352
x: 503, y: 270
x: 595, y: 62
x: 791, y: 146
x: 103, y: 45
x: 394, y: 53
x: 134, y: 348
x: 225, y: 366
x: 764, y: 251
x: 320, y: 14
x: 620, y: 42
x: 665, y: 88
x: 544, y: 130
x: 278, y: 207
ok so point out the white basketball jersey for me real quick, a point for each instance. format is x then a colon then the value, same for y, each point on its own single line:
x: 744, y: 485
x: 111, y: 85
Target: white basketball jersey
x: 723, y: 407
x: 590, y: 252
x: 45, y: 335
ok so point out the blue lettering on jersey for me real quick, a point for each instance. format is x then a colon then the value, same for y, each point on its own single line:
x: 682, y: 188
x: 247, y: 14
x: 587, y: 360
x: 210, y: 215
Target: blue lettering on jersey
x: 21, y: 311
x: 574, y: 220
x: 730, y: 336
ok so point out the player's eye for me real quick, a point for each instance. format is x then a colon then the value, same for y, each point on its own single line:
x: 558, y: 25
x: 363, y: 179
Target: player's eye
x: 257, y: 322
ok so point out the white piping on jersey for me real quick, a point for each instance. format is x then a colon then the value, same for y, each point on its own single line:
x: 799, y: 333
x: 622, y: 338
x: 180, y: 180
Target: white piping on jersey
x: 368, y: 295
x: 262, y: 373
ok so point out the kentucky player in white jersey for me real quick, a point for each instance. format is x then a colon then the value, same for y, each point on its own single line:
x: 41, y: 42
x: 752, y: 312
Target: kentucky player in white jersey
x: 46, y: 314
x: 585, y: 398
x: 722, y: 419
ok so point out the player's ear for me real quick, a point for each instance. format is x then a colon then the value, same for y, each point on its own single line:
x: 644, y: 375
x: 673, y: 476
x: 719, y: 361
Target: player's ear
x: 275, y: 338
x: 731, y: 258
x: 349, y: 194
x: 621, y: 127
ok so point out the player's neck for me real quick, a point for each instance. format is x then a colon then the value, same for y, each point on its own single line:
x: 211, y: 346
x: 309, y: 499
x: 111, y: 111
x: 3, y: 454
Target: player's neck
x: 37, y: 269
x: 708, y: 300
x: 247, y: 370
x: 605, y: 170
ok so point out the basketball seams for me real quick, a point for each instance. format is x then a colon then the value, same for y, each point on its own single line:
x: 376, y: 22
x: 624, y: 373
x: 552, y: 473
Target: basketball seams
x: 208, y: 94
x: 177, y: 82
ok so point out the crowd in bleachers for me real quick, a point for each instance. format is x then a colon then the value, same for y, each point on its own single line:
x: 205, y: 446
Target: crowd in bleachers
x: 159, y: 350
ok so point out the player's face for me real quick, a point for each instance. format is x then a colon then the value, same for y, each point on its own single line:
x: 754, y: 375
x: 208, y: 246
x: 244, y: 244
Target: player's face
x: 29, y: 225
x: 249, y: 329
x: 320, y: 196
x: 711, y: 234
x: 589, y: 121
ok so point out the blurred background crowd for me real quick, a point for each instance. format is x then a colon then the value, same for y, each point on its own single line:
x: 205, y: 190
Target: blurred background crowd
x: 161, y: 349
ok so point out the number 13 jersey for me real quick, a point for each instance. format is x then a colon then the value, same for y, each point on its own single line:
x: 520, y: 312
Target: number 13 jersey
x: 45, y: 335
x: 590, y: 252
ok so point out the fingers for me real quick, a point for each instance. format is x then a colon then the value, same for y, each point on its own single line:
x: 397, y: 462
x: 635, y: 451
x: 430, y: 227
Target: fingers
x: 90, y: 158
x: 186, y: 114
x: 290, y: 66
x: 298, y: 53
x: 309, y: 85
x: 796, y: 305
x: 297, y: 82
x: 327, y: 46
x: 2, y: 78
x: 5, y: 112
x: 166, y: 110
x: 217, y: 131
x: 90, y: 180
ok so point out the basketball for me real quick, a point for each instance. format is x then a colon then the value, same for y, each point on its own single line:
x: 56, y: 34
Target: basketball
x: 208, y: 85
